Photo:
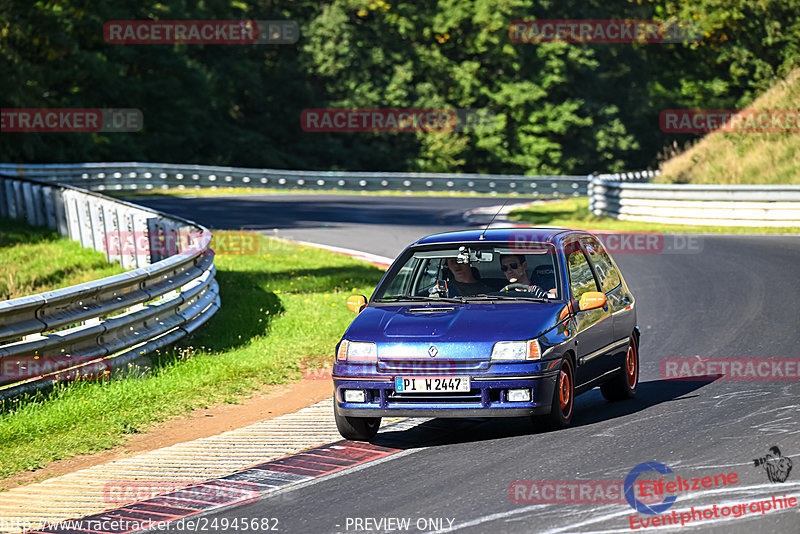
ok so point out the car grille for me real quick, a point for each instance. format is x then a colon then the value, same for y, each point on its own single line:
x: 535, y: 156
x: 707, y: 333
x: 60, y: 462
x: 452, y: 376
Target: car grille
x: 430, y: 367
x: 474, y: 396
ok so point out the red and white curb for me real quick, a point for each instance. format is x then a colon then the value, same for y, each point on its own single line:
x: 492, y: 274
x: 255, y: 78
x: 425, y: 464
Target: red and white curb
x: 185, y: 465
x: 237, y: 489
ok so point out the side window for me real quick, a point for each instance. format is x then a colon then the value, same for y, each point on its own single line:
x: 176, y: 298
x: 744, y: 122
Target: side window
x: 607, y: 274
x: 430, y: 272
x: 581, y: 279
x: 401, y: 282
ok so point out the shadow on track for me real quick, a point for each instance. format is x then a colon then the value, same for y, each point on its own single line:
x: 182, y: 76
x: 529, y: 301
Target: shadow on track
x: 590, y: 408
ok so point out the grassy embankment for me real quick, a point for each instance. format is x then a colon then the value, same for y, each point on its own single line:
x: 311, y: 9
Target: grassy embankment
x: 745, y: 158
x: 282, y: 307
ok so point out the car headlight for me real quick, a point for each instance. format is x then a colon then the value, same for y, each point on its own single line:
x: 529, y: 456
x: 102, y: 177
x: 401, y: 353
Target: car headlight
x: 357, y: 351
x: 516, y: 350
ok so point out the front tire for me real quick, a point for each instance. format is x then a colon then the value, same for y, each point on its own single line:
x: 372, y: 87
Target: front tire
x: 623, y: 385
x: 355, y: 428
x: 563, y: 402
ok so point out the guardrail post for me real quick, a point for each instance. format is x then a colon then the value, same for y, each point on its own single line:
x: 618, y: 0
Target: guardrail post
x: 70, y: 217
x: 48, y: 207
x: 9, y: 194
x: 107, y: 224
x: 97, y: 223
x: 84, y: 221
x: 140, y: 237
x: 3, y: 200
x: 60, y: 205
x: 27, y: 195
x: 39, y: 205
x: 15, y: 207
x: 73, y: 221
x: 123, y: 237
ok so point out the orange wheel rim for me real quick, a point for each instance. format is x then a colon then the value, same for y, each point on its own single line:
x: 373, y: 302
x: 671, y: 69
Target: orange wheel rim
x: 564, y: 390
x: 630, y: 365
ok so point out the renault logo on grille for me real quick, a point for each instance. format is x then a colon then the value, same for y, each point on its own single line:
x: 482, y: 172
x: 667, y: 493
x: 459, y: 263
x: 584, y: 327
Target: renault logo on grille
x: 433, y: 351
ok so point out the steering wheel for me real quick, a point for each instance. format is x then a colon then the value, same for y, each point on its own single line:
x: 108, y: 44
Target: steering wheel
x: 439, y: 288
x: 509, y: 287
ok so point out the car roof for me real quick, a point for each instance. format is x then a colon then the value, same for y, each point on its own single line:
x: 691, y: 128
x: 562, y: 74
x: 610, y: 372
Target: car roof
x: 542, y: 235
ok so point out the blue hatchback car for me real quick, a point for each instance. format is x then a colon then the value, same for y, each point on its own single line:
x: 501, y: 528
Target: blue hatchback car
x: 493, y: 323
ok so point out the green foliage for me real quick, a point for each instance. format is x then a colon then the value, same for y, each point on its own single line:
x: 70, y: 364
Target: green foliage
x: 555, y: 107
x: 745, y: 45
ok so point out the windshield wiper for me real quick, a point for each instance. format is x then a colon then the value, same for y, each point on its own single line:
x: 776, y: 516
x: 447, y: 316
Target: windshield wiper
x: 395, y: 298
x: 507, y: 297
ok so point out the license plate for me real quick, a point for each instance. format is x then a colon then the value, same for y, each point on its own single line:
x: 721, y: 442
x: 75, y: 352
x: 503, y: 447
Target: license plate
x: 431, y: 384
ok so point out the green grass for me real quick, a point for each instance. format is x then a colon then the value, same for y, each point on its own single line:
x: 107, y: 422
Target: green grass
x: 33, y: 260
x: 281, y: 308
x: 574, y: 213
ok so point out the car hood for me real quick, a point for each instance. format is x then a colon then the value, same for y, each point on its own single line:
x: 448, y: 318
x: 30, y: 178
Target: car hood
x: 459, y: 331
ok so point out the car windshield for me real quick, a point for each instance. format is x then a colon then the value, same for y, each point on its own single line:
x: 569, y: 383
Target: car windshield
x: 473, y: 272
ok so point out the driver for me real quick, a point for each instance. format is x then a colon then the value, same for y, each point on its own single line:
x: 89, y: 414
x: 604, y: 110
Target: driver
x: 515, y: 268
x: 464, y: 281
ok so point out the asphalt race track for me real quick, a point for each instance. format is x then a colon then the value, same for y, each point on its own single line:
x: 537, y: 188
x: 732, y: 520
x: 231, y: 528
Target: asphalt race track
x: 384, y: 224
x: 737, y: 297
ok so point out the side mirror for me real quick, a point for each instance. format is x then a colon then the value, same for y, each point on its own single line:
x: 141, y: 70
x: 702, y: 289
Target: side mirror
x: 565, y: 312
x: 356, y: 303
x: 592, y: 300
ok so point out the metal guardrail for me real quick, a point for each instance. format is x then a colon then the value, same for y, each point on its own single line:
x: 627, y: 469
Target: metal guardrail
x: 719, y: 205
x: 103, y: 325
x: 149, y: 176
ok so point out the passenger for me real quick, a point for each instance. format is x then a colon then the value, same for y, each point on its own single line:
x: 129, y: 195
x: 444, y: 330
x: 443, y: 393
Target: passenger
x: 464, y: 281
x: 515, y: 267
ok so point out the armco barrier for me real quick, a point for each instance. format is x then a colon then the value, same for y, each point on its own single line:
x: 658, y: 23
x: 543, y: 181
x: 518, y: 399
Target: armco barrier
x: 105, y: 324
x: 148, y: 176
x: 719, y: 205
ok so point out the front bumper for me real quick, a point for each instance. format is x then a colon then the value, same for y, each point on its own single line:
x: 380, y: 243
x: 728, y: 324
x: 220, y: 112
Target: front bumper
x: 487, y: 398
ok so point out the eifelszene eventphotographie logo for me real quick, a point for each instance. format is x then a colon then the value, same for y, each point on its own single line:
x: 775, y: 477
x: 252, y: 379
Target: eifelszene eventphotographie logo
x: 776, y: 465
